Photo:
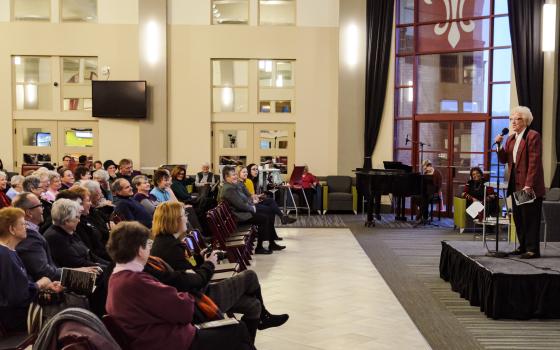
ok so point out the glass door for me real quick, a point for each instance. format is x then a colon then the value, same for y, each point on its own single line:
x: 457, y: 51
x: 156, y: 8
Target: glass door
x: 78, y: 138
x: 36, y: 142
x: 274, y: 146
x: 232, y: 144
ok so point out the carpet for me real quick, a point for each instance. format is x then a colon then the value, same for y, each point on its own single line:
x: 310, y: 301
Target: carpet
x: 303, y: 221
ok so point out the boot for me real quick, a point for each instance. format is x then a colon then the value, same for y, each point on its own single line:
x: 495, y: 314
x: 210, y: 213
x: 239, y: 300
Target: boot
x: 269, y: 320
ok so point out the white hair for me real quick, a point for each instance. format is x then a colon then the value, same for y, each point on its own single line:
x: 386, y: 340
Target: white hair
x: 100, y: 175
x: 16, y: 180
x: 525, y: 113
x: 53, y: 175
x: 92, y: 186
x: 3, y: 174
x: 206, y: 164
x: 63, y: 210
x: 41, y: 172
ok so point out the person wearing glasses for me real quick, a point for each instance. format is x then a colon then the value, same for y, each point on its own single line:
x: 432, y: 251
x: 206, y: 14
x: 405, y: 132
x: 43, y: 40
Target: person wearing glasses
x: 17, y: 288
x: 34, y: 250
x: 153, y: 315
x: 522, y: 153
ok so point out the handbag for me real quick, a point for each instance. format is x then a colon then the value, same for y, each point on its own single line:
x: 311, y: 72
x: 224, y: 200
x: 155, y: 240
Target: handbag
x: 48, y: 304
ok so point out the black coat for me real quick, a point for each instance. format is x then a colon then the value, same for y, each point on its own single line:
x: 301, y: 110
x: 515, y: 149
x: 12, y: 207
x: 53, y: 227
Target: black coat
x: 68, y: 250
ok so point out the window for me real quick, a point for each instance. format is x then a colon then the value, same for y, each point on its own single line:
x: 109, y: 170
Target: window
x: 230, y: 80
x: 277, y: 12
x: 79, y: 10
x: 276, y: 86
x: 230, y: 12
x: 77, y: 74
x: 32, y: 83
x: 31, y: 10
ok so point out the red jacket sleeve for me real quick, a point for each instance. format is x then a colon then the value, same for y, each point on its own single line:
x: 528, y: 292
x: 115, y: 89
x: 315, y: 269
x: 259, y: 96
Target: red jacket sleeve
x: 535, y: 146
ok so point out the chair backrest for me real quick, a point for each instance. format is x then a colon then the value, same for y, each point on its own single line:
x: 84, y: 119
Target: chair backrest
x: 339, y: 184
x: 118, y: 334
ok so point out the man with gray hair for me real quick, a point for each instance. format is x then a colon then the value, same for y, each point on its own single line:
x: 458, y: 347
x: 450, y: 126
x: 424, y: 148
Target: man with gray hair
x: 16, y: 183
x: 127, y: 208
x: 32, y: 183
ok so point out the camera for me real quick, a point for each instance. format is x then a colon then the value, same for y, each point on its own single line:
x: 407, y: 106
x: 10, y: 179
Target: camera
x: 220, y: 254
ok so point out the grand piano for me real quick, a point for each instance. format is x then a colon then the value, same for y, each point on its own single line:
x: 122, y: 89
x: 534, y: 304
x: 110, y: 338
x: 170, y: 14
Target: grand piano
x: 397, y: 179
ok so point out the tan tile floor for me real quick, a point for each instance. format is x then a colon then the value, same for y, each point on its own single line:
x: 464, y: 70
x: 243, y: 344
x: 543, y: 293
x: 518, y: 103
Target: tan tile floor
x: 334, y: 295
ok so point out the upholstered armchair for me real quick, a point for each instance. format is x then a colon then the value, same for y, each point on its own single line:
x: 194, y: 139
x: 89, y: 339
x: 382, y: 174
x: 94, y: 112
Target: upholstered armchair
x: 340, y: 194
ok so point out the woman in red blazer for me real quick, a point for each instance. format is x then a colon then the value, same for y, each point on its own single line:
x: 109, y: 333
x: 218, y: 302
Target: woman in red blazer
x: 522, y: 153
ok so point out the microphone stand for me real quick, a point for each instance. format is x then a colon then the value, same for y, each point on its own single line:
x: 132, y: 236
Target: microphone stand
x: 497, y: 253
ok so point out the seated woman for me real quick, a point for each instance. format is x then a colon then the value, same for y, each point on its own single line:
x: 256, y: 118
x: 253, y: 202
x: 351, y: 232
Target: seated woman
x: 17, y: 290
x: 111, y: 168
x: 151, y: 314
x: 253, y: 176
x: 267, y: 204
x: 82, y: 173
x: 179, y: 185
x: 309, y: 183
x: 54, y: 187
x: 143, y: 195
x: 474, y: 192
x: 5, y: 201
x: 102, y: 177
x: 67, y: 248
x: 16, y: 186
x: 240, y: 293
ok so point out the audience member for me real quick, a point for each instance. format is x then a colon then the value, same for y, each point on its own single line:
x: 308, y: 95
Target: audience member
x: 54, y: 186
x: 253, y: 175
x: 17, y: 289
x: 66, y: 178
x: 67, y: 249
x: 66, y: 161
x: 97, y: 165
x: 127, y: 208
x: 309, y: 184
x: 5, y: 201
x: 143, y: 195
x: 111, y: 169
x: 240, y: 293
x: 32, y: 184
x: 266, y: 204
x: 162, y: 186
x: 102, y: 177
x: 245, y: 211
x: 16, y: 186
x: 474, y: 192
x: 151, y: 314
x: 82, y: 160
x: 179, y: 185
x: 126, y: 170
x: 205, y: 177
x: 91, y: 230
x: 81, y: 173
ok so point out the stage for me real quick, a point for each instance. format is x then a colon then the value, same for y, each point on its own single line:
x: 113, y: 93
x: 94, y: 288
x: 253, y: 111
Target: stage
x: 504, y: 288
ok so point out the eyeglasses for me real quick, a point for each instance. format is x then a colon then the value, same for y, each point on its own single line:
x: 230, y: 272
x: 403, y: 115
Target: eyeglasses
x: 35, y: 206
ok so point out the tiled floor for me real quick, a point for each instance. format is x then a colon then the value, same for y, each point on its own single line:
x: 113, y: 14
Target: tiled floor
x: 334, y: 295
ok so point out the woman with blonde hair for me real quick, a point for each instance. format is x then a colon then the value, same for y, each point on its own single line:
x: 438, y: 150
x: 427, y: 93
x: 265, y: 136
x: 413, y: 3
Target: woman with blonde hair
x: 240, y: 293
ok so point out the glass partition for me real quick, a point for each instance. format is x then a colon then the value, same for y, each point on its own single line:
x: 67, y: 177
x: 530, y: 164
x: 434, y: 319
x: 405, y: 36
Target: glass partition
x: 79, y: 10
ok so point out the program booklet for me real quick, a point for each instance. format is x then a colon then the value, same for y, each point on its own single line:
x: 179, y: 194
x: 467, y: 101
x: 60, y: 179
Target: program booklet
x: 217, y: 323
x: 79, y: 282
x: 523, y: 197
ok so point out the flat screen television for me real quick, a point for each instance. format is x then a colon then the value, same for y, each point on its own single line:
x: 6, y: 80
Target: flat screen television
x: 119, y: 98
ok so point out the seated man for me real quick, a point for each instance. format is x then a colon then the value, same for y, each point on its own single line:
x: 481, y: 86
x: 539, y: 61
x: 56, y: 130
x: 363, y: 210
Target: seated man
x: 126, y: 170
x: 127, y: 208
x: 431, y: 187
x: 205, y: 182
x: 474, y: 192
x: 245, y: 211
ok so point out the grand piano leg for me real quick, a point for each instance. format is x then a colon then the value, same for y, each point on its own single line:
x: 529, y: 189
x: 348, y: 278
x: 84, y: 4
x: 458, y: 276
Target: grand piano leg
x: 378, y: 206
x: 369, y: 212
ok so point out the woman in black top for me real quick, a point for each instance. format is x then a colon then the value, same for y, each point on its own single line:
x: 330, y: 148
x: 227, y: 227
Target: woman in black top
x: 474, y: 192
x: 240, y: 293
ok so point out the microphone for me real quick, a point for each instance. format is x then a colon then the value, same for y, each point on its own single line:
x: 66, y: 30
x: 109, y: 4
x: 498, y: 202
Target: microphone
x: 407, y: 140
x: 505, y: 131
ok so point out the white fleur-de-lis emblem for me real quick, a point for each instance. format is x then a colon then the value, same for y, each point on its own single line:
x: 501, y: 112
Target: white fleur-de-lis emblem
x: 452, y: 12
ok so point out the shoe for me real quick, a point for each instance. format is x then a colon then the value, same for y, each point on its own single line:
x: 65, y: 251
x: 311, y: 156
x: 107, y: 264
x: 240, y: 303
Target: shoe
x: 278, y: 238
x: 530, y: 255
x: 262, y: 250
x: 274, y: 246
x: 285, y: 219
x: 269, y: 320
x: 517, y: 252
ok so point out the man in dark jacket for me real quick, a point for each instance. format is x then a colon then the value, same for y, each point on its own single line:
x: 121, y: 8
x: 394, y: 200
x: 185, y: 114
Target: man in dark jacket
x: 247, y: 212
x: 126, y: 207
